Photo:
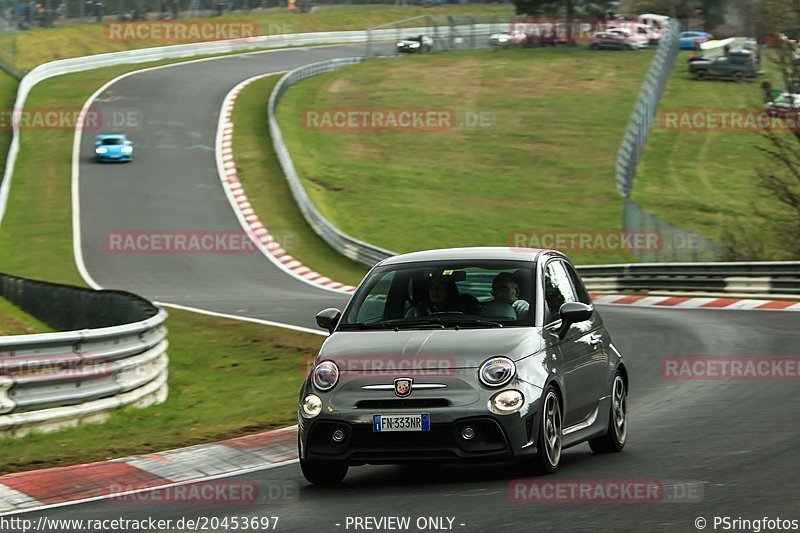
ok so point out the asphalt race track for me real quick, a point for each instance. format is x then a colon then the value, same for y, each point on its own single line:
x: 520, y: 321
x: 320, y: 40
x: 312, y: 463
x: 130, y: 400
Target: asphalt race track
x: 172, y: 186
x: 731, y: 444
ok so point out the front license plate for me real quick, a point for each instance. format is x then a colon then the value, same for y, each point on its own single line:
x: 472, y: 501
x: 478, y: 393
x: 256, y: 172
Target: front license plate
x: 382, y: 423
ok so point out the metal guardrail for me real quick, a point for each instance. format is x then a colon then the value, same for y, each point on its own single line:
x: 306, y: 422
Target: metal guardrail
x: 773, y: 278
x: 644, y: 111
x: 115, y: 355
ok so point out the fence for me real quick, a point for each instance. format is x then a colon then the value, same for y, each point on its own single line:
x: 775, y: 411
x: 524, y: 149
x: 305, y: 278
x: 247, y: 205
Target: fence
x: 461, y: 32
x: 113, y: 355
x: 644, y: 111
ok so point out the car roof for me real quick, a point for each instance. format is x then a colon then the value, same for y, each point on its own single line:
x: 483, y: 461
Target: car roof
x: 459, y: 254
x: 112, y: 136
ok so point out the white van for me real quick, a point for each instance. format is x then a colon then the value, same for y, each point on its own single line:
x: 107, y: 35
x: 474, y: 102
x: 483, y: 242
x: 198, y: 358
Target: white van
x: 657, y: 23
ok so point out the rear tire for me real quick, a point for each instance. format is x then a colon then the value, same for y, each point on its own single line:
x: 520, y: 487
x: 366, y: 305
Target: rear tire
x: 738, y: 77
x: 323, y: 473
x: 617, y: 434
x: 701, y: 75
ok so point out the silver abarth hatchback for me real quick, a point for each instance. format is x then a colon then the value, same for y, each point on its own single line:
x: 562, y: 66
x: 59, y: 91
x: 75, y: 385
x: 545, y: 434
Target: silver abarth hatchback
x: 459, y: 355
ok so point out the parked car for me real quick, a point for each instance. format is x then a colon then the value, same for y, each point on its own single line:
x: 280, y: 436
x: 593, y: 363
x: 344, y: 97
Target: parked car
x: 637, y: 28
x: 421, y: 43
x: 639, y: 40
x: 113, y: 148
x: 612, y: 41
x: 507, y: 38
x: 691, y: 40
x: 462, y: 355
x: 737, y: 65
x: 784, y: 105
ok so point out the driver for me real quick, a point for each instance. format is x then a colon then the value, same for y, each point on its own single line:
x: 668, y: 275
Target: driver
x: 442, y: 297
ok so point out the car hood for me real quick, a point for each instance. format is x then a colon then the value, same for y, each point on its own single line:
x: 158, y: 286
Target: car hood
x: 366, y: 351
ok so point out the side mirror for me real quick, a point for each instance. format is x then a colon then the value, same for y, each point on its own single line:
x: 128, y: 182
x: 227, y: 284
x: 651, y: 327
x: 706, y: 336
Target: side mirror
x: 329, y: 318
x: 572, y: 313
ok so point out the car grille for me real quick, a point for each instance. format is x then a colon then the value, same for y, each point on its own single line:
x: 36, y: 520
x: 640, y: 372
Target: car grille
x: 403, y: 403
x: 361, y: 443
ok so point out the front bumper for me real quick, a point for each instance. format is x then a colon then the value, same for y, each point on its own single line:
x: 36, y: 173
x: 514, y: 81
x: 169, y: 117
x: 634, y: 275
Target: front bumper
x: 113, y: 158
x: 496, y: 437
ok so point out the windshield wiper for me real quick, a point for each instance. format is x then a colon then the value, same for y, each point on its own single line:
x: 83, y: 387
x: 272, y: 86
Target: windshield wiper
x: 398, y: 323
x: 364, y: 325
x: 466, y: 322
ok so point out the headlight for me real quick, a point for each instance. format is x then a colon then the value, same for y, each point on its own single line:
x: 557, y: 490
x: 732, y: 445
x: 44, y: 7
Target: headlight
x: 399, y: 44
x: 312, y: 405
x: 497, y: 371
x: 127, y: 149
x: 507, y: 402
x: 413, y: 45
x: 101, y: 150
x: 326, y: 374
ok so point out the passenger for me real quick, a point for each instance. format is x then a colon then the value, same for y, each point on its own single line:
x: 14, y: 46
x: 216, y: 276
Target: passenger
x: 506, y: 303
x: 442, y: 298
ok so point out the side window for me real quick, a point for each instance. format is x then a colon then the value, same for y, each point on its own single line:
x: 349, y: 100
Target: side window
x: 557, y: 289
x: 577, y: 284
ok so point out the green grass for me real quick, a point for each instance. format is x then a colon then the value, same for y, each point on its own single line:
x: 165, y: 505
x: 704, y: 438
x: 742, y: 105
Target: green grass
x: 14, y: 321
x: 546, y: 162
x: 38, y: 46
x: 262, y: 177
x: 703, y: 180
x: 227, y: 378
x: 36, y: 232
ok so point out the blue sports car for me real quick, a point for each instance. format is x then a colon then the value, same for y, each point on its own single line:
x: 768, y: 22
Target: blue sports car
x: 115, y: 147
x: 691, y: 40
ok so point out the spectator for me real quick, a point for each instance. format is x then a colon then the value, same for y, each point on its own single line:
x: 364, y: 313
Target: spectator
x: 88, y: 10
x: 98, y: 11
x: 766, y: 88
x: 506, y: 303
x: 61, y: 11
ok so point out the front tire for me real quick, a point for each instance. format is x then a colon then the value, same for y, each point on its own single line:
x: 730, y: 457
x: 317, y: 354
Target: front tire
x: 617, y: 434
x: 323, y: 473
x: 701, y: 75
x: 549, y: 435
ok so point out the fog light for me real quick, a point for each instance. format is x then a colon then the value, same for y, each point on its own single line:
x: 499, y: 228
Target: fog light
x: 507, y: 402
x: 467, y: 433
x: 312, y: 406
x: 337, y: 435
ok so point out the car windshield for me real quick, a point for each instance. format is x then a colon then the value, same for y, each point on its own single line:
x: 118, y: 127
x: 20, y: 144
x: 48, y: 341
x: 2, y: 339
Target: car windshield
x: 111, y: 142
x: 474, y: 294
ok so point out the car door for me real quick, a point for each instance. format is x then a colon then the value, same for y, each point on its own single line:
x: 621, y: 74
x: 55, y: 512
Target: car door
x: 583, y: 357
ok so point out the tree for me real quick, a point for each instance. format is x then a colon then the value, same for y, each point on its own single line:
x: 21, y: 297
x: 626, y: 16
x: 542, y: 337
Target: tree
x: 535, y: 8
x: 778, y: 175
